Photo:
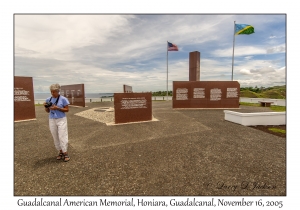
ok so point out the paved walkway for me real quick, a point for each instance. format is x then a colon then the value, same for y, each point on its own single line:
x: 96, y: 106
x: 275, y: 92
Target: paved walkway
x: 185, y: 152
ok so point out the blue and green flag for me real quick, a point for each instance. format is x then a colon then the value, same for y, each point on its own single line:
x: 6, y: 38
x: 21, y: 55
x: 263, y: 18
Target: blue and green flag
x: 243, y: 29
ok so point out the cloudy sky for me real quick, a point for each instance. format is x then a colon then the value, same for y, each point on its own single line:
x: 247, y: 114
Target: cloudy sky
x: 105, y: 51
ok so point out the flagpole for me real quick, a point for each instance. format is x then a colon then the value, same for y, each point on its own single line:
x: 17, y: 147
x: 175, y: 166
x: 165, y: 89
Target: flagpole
x: 233, y: 51
x: 167, y: 71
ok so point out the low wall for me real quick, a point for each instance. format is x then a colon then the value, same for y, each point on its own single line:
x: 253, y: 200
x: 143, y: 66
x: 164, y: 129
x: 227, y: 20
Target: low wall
x: 256, y: 118
x: 276, y: 102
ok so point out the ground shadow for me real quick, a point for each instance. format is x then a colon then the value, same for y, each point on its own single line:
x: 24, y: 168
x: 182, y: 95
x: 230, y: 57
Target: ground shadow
x: 46, y: 161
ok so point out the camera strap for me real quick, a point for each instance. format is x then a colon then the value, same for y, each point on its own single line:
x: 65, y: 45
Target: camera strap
x: 56, y: 100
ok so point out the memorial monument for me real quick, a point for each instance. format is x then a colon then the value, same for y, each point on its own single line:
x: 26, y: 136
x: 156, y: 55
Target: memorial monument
x: 24, y: 108
x: 194, y: 66
x: 127, y: 89
x: 132, y: 107
x: 204, y: 94
x: 75, y: 94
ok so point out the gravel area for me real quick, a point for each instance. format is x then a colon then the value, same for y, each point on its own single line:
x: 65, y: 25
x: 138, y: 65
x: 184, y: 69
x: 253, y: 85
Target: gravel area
x: 184, y: 153
x: 99, y: 114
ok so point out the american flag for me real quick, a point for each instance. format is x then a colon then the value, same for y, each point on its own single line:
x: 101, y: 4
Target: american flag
x: 172, y: 47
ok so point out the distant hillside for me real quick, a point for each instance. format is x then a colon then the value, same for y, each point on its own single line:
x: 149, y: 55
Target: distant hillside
x: 249, y: 94
x: 276, y: 92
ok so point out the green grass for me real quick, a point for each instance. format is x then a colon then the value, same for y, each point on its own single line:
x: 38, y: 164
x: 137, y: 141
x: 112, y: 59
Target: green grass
x: 274, y: 108
x: 249, y: 104
x: 278, y: 108
x: 278, y: 94
x: 277, y: 130
x: 249, y: 94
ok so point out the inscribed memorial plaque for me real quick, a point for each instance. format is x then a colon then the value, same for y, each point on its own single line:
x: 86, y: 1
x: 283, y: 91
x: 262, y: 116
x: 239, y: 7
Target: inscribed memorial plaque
x: 74, y: 93
x: 181, y: 94
x: 132, y: 107
x: 206, y: 94
x: 232, y: 93
x: 199, y: 93
x: 215, y: 94
x: 134, y: 103
x: 24, y: 108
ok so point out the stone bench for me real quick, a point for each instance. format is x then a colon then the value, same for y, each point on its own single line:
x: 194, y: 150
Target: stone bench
x: 265, y: 103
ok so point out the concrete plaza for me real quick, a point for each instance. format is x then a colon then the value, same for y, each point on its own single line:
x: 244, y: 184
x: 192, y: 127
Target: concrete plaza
x: 186, y: 152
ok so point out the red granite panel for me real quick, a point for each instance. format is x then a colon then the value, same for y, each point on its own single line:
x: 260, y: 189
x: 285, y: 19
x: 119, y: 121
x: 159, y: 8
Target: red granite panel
x: 132, y: 107
x: 206, y: 94
x: 194, y: 66
x: 24, y: 108
x: 127, y: 89
x: 75, y: 94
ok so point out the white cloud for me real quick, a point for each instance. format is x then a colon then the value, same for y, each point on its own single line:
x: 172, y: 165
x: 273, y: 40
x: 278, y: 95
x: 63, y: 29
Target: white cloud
x: 248, y: 51
x: 54, y: 36
x: 276, y: 49
x: 245, y: 71
x: 267, y: 76
x: 239, y: 51
x: 248, y: 57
